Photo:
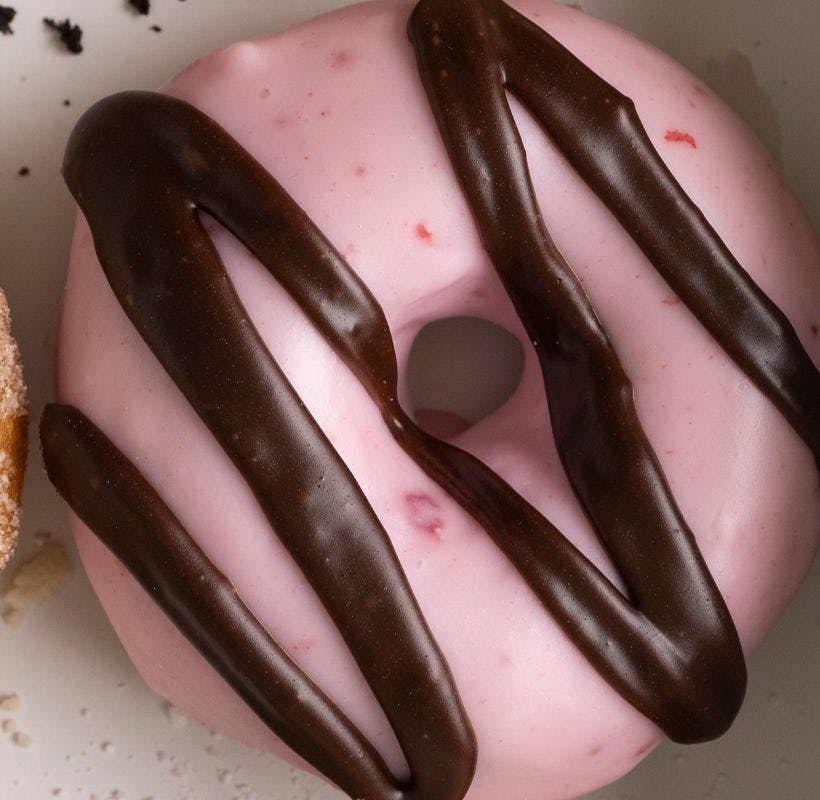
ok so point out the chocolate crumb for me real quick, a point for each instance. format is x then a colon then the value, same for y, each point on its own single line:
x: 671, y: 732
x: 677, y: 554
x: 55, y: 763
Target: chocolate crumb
x: 156, y: 28
x: 23, y: 171
x: 70, y: 35
x: 66, y: 102
x: 7, y: 14
x: 140, y: 6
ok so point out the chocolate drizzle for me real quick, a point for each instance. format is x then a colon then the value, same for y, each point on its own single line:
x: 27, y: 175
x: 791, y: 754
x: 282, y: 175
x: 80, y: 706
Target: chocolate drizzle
x: 671, y: 649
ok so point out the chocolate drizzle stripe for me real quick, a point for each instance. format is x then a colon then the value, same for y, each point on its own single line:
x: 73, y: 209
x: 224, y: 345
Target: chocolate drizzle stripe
x: 130, y: 518
x: 600, y: 133
x: 141, y: 165
x: 671, y: 649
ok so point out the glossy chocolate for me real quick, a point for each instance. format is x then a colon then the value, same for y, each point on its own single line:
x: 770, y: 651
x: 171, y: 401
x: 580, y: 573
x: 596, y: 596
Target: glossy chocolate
x: 141, y: 166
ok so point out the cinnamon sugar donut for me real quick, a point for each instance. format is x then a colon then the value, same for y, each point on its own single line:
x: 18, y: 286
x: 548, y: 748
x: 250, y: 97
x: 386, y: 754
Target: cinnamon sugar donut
x: 13, y: 429
x: 521, y: 610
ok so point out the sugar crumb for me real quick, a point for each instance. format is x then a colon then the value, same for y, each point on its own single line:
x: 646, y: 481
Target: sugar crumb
x: 37, y: 579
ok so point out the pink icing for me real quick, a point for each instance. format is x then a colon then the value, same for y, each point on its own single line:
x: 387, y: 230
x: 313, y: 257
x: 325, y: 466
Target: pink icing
x: 334, y: 109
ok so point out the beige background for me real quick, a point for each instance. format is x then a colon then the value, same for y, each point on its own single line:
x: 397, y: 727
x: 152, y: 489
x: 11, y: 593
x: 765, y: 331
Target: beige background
x: 762, y: 56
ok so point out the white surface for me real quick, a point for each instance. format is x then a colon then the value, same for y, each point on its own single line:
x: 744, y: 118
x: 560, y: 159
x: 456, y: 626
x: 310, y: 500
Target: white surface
x: 65, y: 658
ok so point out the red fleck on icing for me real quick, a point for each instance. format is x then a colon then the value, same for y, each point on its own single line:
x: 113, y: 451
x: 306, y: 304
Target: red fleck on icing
x: 340, y: 59
x: 264, y: 93
x: 424, y: 514
x: 681, y: 136
x: 701, y: 90
x: 671, y: 300
x: 423, y: 232
x: 815, y: 330
x: 281, y: 120
x: 360, y: 171
x: 303, y: 646
x: 644, y: 750
x: 596, y: 751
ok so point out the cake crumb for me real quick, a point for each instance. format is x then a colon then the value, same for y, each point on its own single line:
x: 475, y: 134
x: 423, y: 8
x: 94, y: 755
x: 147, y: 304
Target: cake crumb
x: 70, y: 35
x: 107, y: 747
x: 10, y: 702
x: 21, y: 739
x: 37, y: 579
x: 7, y: 14
x: 174, y: 715
x: 9, y: 726
x: 140, y: 6
x: 24, y: 171
x: 156, y: 29
x: 13, y: 618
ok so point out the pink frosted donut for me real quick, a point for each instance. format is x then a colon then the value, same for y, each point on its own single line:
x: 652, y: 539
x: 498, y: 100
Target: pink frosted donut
x: 335, y: 111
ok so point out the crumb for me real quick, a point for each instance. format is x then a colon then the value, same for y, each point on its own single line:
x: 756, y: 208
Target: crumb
x: 107, y: 747
x: 576, y: 6
x: 175, y: 716
x: 10, y: 702
x: 37, y: 579
x: 23, y: 171
x: 41, y: 537
x: 7, y: 14
x: 156, y: 29
x: 140, y: 6
x: 70, y: 35
x: 12, y: 617
x: 21, y: 739
x: 66, y: 102
x: 8, y: 726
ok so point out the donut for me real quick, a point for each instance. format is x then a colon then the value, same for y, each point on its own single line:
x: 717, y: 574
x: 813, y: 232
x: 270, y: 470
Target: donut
x: 13, y: 431
x: 523, y: 608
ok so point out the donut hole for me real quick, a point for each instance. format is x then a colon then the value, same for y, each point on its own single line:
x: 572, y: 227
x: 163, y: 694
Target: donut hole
x: 459, y: 371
